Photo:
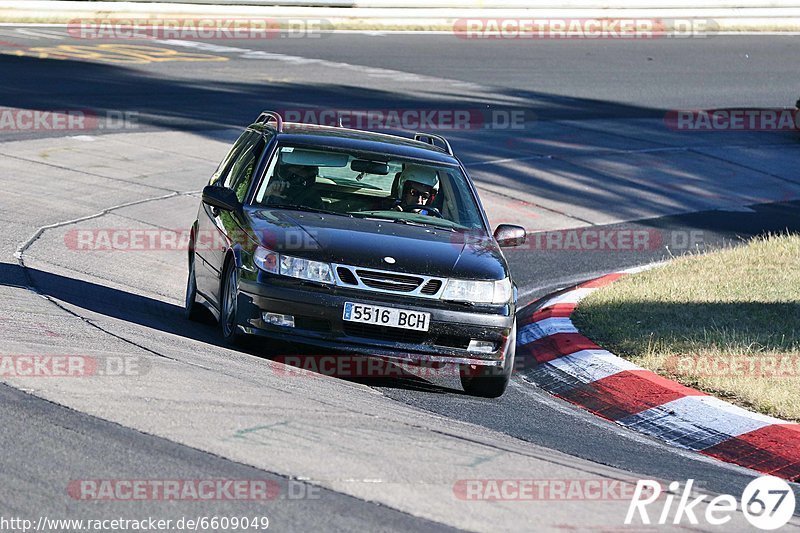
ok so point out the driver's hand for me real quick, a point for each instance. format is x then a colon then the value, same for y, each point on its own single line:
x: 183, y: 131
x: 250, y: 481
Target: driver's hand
x: 277, y: 188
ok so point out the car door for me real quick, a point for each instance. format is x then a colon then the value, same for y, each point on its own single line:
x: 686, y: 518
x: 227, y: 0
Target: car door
x: 215, y: 226
x: 239, y: 180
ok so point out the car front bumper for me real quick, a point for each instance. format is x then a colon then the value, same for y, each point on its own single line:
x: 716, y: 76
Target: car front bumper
x: 318, y: 311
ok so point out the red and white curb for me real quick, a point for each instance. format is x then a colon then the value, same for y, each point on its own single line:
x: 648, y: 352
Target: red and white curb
x: 574, y: 368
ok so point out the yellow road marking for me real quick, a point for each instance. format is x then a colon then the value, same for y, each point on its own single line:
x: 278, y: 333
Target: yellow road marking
x: 115, y: 53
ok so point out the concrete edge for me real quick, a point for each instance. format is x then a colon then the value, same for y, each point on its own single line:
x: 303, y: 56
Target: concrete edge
x: 570, y: 366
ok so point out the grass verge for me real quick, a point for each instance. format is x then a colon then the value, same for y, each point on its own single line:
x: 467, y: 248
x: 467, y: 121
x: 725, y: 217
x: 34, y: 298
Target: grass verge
x: 726, y: 322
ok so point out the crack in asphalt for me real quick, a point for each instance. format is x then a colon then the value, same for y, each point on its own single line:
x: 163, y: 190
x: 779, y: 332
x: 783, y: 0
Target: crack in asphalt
x: 20, y: 252
x: 24, y: 246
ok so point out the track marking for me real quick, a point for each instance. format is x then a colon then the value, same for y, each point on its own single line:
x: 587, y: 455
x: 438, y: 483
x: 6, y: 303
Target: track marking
x: 614, y: 389
x: 115, y: 53
x: 573, y: 412
x: 40, y: 34
x: 363, y: 70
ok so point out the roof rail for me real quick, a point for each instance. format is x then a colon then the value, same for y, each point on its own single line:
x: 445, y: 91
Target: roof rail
x: 265, y: 117
x: 431, y: 139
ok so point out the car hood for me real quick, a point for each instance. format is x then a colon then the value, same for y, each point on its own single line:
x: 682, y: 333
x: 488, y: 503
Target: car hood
x: 366, y: 242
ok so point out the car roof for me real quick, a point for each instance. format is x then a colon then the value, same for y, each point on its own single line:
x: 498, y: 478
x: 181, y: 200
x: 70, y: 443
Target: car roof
x: 312, y: 135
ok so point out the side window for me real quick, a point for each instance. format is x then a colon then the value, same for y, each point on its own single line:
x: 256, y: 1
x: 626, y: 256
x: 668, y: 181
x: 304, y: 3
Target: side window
x: 241, y: 174
x: 224, y: 168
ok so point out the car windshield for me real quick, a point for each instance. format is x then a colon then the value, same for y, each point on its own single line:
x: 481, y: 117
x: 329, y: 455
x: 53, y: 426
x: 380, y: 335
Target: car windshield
x: 371, y: 186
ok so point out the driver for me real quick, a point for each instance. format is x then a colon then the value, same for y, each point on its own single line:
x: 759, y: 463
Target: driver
x: 293, y: 184
x: 418, y: 186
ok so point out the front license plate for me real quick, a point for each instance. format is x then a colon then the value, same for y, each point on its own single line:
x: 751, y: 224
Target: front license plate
x: 386, y: 316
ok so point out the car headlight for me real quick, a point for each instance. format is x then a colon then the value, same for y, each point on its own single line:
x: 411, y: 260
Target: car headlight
x: 294, y: 267
x: 480, y: 292
x: 305, y: 269
x: 266, y: 260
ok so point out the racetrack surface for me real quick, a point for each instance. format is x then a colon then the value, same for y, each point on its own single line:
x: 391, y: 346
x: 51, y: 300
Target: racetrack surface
x: 593, y: 152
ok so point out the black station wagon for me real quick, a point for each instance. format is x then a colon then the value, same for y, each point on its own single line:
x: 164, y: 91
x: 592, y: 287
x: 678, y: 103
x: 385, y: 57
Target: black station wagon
x: 360, y: 242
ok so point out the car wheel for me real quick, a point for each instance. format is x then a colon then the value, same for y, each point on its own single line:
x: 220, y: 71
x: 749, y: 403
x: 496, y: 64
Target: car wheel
x: 191, y: 309
x: 230, y: 294
x: 490, y: 381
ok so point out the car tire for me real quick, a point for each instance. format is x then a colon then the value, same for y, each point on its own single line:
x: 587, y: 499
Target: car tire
x: 229, y: 305
x: 490, y: 381
x: 191, y: 309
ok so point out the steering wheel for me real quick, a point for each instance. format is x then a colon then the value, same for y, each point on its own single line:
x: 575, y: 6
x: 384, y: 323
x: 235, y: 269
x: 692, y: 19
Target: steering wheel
x: 417, y: 207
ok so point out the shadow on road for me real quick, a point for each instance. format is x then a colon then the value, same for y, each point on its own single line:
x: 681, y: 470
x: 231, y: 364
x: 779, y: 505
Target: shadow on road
x: 205, y: 104
x: 168, y: 318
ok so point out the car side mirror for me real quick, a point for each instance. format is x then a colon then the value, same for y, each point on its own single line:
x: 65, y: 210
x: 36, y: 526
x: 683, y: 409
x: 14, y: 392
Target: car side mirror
x: 508, y: 235
x: 221, y: 198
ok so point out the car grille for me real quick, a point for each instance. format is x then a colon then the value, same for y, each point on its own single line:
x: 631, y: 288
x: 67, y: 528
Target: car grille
x: 432, y: 287
x: 371, y: 331
x: 347, y: 276
x: 389, y: 282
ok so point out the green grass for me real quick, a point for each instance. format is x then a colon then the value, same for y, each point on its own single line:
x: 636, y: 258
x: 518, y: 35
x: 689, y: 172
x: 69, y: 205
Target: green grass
x: 691, y: 318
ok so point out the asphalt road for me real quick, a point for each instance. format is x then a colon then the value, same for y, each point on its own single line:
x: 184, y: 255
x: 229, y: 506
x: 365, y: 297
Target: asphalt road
x: 593, y: 150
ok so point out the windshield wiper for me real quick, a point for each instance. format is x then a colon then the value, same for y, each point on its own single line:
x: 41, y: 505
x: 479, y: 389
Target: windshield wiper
x: 426, y: 224
x: 409, y: 222
x: 306, y: 209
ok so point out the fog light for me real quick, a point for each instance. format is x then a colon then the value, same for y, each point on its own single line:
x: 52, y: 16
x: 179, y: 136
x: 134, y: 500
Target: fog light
x: 277, y: 319
x: 481, y: 346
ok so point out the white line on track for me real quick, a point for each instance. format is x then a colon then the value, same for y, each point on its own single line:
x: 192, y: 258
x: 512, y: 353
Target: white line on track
x: 39, y: 34
x: 372, y: 72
